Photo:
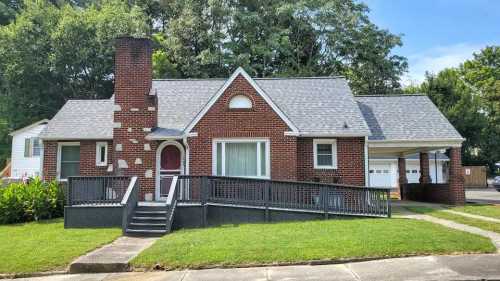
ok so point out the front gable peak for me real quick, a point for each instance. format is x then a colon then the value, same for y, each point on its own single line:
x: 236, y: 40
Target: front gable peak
x: 240, y: 72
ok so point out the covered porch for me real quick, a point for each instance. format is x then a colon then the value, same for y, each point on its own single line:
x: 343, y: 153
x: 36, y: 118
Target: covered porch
x: 451, y: 191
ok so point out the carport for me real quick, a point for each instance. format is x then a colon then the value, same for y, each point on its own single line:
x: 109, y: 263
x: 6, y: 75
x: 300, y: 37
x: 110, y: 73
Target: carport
x: 402, y: 125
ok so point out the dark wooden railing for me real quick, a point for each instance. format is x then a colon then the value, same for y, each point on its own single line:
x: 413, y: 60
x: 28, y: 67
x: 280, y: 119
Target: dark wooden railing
x: 336, y: 199
x: 96, y: 190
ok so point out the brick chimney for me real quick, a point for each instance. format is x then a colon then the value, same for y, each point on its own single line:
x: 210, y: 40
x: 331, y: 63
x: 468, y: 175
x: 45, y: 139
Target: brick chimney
x: 135, y: 112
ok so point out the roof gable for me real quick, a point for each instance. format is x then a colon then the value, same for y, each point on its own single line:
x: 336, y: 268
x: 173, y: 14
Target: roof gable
x: 41, y: 122
x: 241, y: 72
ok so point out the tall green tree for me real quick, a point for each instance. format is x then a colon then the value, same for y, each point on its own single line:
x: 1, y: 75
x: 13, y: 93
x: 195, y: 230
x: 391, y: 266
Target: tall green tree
x: 51, y: 54
x: 278, y: 38
x: 469, y: 96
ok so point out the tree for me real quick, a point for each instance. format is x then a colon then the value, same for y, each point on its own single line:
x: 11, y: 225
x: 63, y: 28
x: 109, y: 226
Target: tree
x: 469, y: 96
x: 278, y: 38
x: 51, y: 54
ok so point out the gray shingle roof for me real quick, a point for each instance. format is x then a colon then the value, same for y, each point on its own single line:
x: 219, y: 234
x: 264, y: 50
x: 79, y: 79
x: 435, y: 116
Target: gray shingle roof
x: 82, y: 119
x: 315, y: 105
x: 180, y: 100
x: 405, y: 117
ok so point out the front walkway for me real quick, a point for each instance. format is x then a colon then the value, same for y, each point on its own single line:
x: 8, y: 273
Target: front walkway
x: 466, y: 267
x: 114, y: 257
x: 405, y: 213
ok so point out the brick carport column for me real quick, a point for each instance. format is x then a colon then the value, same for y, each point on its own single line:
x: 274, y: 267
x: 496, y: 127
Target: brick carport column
x: 402, y: 180
x: 425, y: 177
x: 456, y: 194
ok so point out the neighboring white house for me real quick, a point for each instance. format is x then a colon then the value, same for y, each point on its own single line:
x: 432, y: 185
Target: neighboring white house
x: 27, y: 151
x: 384, y: 170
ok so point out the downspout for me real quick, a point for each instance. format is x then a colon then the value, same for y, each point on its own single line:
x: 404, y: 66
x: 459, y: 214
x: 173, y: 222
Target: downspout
x: 367, y: 163
x: 186, y: 166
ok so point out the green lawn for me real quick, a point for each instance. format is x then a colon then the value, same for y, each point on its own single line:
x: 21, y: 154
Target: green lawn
x: 42, y: 246
x: 492, y: 211
x: 249, y: 244
x: 486, y: 225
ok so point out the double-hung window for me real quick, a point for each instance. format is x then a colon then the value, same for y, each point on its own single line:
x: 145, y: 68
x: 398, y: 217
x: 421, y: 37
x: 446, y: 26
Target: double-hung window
x: 241, y: 158
x: 325, y: 153
x: 68, y: 160
x: 32, y: 147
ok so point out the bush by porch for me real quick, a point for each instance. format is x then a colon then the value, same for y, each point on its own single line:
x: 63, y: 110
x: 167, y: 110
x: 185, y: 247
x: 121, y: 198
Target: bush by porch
x: 295, y: 242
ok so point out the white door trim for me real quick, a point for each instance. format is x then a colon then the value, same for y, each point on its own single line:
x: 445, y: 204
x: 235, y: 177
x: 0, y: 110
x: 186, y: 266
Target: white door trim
x: 158, y: 164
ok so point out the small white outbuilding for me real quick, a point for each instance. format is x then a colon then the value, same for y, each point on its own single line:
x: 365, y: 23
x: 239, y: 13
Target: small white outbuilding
x: 27, y: 151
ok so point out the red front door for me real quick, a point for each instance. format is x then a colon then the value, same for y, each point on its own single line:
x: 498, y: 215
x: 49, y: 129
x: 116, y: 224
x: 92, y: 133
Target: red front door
x: 170, y: 165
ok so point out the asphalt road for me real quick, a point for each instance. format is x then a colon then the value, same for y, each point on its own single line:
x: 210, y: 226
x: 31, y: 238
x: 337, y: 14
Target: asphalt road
x: 483, y: 195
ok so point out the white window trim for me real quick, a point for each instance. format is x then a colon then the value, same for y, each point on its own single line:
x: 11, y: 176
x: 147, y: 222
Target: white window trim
x: 333, y: 143
x: 242, y: 140
x: 240, y: 102
x: 32, y: 146
x: 98, y: 146
x: 59, y: 147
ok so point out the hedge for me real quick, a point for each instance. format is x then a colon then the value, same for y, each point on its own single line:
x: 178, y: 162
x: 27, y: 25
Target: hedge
x: 34, y: 200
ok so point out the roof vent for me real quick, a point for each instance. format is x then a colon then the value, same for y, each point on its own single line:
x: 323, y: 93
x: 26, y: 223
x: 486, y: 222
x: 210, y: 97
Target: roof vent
x: 346, y: 126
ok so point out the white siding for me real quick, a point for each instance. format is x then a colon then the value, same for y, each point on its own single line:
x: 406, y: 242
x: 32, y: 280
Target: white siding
x: 25, y: 166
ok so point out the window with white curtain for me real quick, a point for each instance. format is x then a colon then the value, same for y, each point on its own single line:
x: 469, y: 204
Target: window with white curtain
x: 241, y: 158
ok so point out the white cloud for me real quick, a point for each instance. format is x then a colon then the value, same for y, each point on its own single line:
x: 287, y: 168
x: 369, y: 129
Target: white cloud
x: 436, y: 59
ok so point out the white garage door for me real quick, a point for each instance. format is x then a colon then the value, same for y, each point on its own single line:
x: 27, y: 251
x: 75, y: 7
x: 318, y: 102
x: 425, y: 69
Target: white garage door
x: 413, y: 173
x: 380, y: 175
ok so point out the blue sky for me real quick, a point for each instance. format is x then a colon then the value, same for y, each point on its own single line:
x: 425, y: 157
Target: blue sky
x: 437, y: 33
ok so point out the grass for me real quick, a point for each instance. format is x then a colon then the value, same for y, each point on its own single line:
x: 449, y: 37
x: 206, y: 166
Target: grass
x: 293, y: 242
x: 492, y: 211
x: 46, y: 245
x: 486, y: 225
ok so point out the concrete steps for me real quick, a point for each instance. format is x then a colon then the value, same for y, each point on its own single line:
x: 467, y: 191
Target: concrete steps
x: 149, y: 220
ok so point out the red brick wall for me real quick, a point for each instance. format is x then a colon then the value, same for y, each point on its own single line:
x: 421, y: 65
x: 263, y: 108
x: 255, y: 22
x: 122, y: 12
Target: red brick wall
x: 137, y: 112
x: 87, y: 159
x: 350, y: 162
x: 456, y: 177
x: 259, y: 122
x: 49, y: 160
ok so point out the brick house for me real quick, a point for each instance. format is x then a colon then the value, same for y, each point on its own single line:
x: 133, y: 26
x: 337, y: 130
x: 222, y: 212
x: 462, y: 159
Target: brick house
x: 297, y: 129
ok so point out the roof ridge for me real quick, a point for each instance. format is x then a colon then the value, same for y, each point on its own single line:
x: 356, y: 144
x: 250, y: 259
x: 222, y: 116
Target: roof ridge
x: 254, y: 78
x: 391, y: 95
x: 299, y: 77
x: 191, y: 79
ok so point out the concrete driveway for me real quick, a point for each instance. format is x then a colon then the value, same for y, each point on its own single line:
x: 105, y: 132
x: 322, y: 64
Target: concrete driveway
x: 482, y: 195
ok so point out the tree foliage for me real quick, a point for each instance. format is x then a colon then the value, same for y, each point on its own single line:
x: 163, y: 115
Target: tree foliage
x: 51, y: 54
x: 469, y: 96
x: 278, y: 38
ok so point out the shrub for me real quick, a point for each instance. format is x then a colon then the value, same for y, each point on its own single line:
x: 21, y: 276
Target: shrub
x: 35, y: 200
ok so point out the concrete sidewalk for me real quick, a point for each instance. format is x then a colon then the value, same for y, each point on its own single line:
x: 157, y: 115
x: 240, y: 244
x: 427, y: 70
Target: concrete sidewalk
x: 114, y: 257
x: 465, y: 267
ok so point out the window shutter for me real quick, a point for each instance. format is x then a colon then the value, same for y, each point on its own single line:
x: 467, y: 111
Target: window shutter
x: 27, y: 148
